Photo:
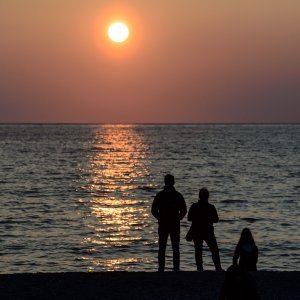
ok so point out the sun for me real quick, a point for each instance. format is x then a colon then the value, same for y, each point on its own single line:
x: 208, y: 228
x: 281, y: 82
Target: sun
x: 118, y: 32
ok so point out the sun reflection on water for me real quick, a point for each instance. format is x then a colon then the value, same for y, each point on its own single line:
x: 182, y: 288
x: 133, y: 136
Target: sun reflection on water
x: 118, y: 167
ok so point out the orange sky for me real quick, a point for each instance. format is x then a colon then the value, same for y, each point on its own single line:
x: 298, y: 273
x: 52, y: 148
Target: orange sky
x: 185, y: 61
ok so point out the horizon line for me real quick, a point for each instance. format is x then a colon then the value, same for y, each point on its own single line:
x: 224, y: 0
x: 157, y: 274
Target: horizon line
x: 150, y: 123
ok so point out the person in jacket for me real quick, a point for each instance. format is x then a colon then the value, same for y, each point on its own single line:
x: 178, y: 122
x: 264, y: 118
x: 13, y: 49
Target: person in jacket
x: 168, y: 208
x: 202, y: 215
x: 246, y: 252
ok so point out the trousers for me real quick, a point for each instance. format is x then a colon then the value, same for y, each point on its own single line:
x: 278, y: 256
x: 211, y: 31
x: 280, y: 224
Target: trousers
x: 211, y: 242
x: 163, y: 233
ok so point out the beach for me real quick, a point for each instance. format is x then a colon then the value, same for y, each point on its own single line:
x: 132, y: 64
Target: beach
x: 140, y: 285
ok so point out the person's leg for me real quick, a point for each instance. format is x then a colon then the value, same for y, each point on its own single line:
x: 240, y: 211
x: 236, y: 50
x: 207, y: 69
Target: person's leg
x: 213, y: 246
x: 162, y: 244
x: 175, y: 240
x: 198, y: 243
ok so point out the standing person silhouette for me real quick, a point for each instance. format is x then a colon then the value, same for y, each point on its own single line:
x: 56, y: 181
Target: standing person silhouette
x: 202, y: 215
x: 246, y: 251
x: 168, y: 208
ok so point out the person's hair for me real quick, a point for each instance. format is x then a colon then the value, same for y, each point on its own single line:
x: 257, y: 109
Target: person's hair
x: 169, y: 180
x: 204, y: 194
x: 246, y: 237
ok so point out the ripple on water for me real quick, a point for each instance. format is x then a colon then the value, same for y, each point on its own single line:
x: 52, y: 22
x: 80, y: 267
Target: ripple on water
x: 78, y: 198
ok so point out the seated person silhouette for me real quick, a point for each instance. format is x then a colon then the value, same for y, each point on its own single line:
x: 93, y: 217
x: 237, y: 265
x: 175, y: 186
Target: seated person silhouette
x: 203, y: 215
x: 246, y: 251
x: 238, y: 285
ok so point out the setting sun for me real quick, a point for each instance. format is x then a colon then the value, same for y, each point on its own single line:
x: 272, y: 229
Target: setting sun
x: 118, y: 32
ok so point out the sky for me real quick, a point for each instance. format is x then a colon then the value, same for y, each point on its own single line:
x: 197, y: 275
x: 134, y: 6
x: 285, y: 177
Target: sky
x: 196, y: 61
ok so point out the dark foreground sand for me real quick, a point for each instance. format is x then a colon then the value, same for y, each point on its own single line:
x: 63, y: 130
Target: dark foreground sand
x: 137, y: 285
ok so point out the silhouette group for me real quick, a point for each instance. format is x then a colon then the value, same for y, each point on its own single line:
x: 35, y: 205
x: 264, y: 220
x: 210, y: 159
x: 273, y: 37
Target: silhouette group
x: 169, y: 208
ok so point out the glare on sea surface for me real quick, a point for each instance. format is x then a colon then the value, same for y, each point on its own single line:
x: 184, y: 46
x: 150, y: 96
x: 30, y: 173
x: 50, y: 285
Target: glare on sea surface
x: 118, y: 219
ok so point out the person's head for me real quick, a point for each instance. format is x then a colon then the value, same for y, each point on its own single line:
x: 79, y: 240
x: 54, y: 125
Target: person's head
x: 239, y: 284
x: 246, y: 236
x: 204, y: 194
x: 169, y: 180
x: 234, y: 269
x: 233, y: 277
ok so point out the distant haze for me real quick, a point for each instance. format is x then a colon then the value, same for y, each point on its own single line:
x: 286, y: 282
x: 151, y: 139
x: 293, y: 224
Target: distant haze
x: 185, y: 61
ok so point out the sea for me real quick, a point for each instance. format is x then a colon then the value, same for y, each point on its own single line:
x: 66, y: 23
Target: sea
x: 77, y: 198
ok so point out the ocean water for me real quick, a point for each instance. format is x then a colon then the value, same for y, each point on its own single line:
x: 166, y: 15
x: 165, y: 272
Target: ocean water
x: 78, y: 197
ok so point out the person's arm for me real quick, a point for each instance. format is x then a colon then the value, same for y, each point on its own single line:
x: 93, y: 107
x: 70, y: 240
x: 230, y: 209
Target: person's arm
x: 256, y: 254
x: 190, y: 214
x: 236, y: 256
x: 154, y: 208
x: 214, y: 215
x: 183, y: 209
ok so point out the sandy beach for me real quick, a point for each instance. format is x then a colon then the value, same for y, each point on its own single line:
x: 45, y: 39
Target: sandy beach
x: 139, y: 285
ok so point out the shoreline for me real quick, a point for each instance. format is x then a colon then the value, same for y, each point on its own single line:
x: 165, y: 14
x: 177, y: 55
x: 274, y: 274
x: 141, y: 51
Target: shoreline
x: 141, y: 285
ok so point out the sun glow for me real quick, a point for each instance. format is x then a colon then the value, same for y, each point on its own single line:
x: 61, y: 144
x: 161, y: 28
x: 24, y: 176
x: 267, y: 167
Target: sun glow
x: 118, y: 32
